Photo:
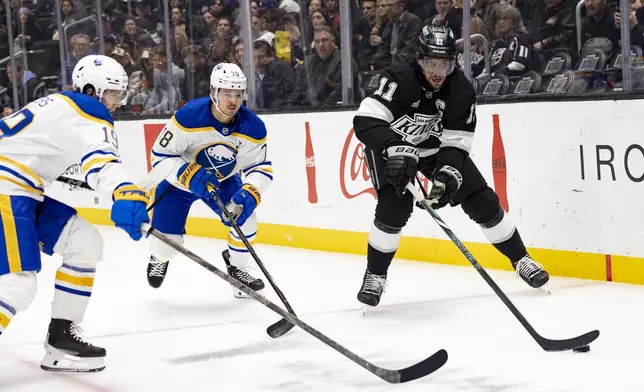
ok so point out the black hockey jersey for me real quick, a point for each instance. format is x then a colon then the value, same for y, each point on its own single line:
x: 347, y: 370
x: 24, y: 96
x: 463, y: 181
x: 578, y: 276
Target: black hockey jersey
x: 511, y: 56
x: 406, y: 110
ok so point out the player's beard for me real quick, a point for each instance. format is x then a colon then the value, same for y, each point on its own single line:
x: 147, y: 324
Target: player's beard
x: 435, y: 81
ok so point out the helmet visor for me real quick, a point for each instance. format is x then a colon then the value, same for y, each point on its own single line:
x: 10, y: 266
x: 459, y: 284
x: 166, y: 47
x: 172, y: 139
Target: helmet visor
x: 436, y: 67
x: 115, y: 97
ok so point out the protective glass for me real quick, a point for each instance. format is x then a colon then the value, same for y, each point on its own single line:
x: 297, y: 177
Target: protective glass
x: 439, y: 67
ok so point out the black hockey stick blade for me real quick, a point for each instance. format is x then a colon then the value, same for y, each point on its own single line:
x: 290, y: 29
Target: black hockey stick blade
x: 568, y: 344
x: 421, y: 369
x: 546, y: 344
x: 279, y: 329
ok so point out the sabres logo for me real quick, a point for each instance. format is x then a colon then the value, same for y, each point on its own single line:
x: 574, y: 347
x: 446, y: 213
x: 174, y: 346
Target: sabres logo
x: 221, y: 158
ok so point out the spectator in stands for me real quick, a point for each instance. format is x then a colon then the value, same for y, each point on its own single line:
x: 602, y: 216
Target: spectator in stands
x: 136, y: 39
x: 219, y: 10
x: 28, y: 30
x: 123, y: 57
x: 29, y: 86
x: 237, y: 55
x: 254, y: 8
x: 488, y: 11
x: 256, y: 26
x: 511, y: 53
x: 399, y: 36
x: 196, y: 82
x: 553, y: 26
x: 67, y: 11
x: 448, y: 15
x: 219, y: 50
x: 80, y: 48
x: 146, y: 19
x: 315, y: 5
x: 224, y: 28
x: 176, y: 20
x: 274, y: 78
x: 166, y: 90
x: 362, y: 33
x: 332, y: 14
x: 599, y: 23
x: 210, y: 23
x: 179, y: 41
x: 291, y: 37
x: 319, y: 83
x: 636, y: 28
x: 477, y: 58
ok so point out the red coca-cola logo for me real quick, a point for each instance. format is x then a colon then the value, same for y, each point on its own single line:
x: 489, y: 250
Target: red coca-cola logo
x: 355, y: 178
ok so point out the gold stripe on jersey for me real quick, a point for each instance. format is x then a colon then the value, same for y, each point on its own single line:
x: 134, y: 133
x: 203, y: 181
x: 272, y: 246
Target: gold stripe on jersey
x: 26, y: 187
x: 24, y: 168
x: 201, y: 129
x: 82, y: 113
x: 10, y: 234
x: 250, y: 139
x: 96, y: 161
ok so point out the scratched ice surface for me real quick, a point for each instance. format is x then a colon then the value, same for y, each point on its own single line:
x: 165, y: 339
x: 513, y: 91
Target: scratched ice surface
x: 191, y: 335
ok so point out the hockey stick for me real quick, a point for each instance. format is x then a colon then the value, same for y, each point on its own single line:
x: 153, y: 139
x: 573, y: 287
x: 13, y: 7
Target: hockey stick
x: 418, y: 370
x: 282, y: 326
x: 84, y: 185
x: 545, y: 343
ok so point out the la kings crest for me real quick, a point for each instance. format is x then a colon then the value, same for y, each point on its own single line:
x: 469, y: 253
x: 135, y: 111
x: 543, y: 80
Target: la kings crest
x: 421, y: 127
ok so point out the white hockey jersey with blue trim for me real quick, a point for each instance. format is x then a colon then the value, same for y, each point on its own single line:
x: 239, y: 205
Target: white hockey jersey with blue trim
x: 39, y: 142
x: 194, y: 135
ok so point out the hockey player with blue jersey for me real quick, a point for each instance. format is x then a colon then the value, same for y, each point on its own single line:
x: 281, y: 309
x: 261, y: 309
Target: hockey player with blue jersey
x: 37, y: 144
x: 210, y: 141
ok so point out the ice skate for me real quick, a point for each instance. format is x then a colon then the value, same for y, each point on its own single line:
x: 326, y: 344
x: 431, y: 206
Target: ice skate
x: 156, y: 271
x: 241, y: 275
x: 66, y: 351
x: 372, y: 288
x: 532, y: 273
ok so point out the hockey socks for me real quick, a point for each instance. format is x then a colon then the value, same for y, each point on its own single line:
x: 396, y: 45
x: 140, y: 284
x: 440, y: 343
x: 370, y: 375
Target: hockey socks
x: 6, y: 314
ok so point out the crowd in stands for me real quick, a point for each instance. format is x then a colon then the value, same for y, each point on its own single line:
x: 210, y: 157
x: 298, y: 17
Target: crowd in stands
x: 531, y: 46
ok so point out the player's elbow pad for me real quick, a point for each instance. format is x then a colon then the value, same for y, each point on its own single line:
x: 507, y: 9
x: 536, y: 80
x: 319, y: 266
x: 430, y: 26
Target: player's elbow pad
x: 373, y: 132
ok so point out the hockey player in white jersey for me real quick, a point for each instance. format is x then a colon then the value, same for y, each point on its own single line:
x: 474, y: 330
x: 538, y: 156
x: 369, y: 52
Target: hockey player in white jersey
x: 37, y: 144
x: 209, y: 141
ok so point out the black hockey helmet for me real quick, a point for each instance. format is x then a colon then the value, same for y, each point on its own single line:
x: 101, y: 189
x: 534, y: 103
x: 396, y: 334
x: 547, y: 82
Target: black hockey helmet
x: 436, y: 41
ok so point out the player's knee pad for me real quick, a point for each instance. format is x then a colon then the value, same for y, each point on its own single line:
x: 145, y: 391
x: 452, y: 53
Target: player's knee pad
x: 392, y: 210
x: 484, y: 208
x: 80, y: 243
x: 161, y: 251
x: 239, y: 255
x: 384, y: 238
x: 18, y: 289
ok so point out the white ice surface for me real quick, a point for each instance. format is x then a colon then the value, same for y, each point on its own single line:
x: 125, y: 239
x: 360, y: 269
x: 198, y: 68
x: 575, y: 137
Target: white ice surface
x: 192, y: 335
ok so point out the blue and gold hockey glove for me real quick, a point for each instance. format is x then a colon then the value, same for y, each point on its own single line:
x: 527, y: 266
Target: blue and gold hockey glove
x: 248, y: 198
x: 129, y: 209
x: 194, y: 177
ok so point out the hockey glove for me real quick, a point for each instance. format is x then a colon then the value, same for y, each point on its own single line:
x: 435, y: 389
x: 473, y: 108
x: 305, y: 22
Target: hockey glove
x: 445, y: 183
x: 194, y: 177
x: 129, y: 209
x: 401, y: 166
x: 245, y: 200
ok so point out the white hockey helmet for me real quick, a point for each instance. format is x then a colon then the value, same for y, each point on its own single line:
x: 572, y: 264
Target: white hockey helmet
x: 100, y: 72
x: 227, y: 76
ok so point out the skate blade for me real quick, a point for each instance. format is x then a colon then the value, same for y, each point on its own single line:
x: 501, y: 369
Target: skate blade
x: 58, y: 361
x: 545, y: 289
x: 241, y: 295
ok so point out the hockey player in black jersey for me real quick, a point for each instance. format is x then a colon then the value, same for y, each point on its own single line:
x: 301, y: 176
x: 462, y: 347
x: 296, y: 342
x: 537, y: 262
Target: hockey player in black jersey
x: 422, y: 118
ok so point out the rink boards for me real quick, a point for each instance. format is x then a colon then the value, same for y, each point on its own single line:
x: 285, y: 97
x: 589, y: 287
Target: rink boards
x: 569, y: 173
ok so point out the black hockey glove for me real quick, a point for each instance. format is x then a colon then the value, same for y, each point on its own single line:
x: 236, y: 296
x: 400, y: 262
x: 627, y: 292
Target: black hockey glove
x: 401, y: 166
x: 445, y: 183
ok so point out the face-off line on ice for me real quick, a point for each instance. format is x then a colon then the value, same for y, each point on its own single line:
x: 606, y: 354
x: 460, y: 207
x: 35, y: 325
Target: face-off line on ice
x: 214, y: 150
